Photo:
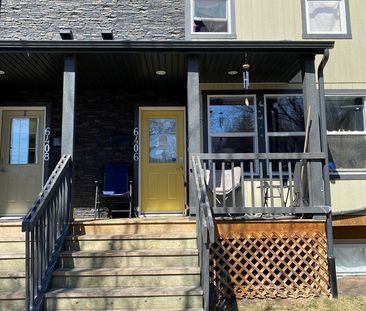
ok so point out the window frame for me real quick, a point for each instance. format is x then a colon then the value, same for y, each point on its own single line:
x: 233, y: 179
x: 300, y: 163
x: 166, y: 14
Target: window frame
x: 339, y: 172
x: 345, y: 23
x: 233, y: 134
x: 230, y: 13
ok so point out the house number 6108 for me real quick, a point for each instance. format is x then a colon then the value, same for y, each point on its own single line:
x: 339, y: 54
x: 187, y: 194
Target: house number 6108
x: 136, y: 144
x: 46, y: 148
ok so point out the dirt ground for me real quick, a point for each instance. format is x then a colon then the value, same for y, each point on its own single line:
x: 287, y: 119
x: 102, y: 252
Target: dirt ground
x: 351, y: 297
x: 352, y: 286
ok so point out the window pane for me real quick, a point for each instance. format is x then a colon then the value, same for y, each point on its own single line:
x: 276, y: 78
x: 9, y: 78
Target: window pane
x: 23, y: 141
x: 286, y: 144
x: 347, y: 152
x: 345, y: 113
x: 232, y: 144
x: 231, y: 115
x: 209, y: 26
x: 285, y: 114
x: 163, y: 145
x: 325, y: 16
x: 210, y: 16
x: 210, y: 8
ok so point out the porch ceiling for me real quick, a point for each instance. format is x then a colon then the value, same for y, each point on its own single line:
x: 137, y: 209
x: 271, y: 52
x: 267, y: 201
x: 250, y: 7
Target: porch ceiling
x: 114, y: 64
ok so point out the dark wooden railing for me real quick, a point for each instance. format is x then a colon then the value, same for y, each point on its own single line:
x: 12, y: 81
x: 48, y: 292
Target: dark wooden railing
x: 272, y: 183
x: 205, y: 229
x: 45, y: 227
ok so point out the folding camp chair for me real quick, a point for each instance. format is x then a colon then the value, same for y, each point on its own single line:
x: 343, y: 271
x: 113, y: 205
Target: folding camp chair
x: 225, y: 182
x: 116, y: 191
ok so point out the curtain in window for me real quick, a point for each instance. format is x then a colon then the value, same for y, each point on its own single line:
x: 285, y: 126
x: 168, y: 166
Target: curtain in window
x: 324, y: 16
x: 210, y: 8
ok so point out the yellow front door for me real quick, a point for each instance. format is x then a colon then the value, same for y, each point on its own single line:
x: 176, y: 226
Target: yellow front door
x: 21, y: 160
x: 162, y: 161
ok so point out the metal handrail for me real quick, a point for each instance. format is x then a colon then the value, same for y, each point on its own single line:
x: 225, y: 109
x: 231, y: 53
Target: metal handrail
x: 205, y: 229
x: 45, y: 227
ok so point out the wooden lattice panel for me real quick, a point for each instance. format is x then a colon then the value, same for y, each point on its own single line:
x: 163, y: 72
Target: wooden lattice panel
x: 269, y: 264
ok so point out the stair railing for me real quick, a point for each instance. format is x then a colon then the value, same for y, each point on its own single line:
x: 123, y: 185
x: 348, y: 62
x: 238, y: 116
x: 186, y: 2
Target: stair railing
x: 45, y: 227
x: 205, y: 229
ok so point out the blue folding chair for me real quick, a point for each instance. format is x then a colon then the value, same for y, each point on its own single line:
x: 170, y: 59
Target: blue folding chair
x: 116, y: 191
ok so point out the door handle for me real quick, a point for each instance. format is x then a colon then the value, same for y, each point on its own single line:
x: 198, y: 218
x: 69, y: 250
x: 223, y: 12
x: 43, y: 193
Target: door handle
x: 181, y: 163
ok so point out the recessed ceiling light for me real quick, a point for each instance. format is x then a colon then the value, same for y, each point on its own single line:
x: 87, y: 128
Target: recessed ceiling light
x: 2, y: 72
x: 160, y: 72
x: 232, y: 72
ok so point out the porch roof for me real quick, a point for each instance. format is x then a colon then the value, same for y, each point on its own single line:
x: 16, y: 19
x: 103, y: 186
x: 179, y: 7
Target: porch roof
x: 126, y: 64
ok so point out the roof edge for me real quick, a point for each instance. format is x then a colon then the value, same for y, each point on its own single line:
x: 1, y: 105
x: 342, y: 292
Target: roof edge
x: 186, y: 47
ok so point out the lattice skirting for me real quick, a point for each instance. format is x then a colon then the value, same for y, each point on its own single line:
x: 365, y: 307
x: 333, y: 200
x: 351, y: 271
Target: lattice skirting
x: 269, y: 264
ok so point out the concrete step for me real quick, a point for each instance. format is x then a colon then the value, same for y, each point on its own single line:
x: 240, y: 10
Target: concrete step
x: 10, y: 227
x: 12, y: 261
x: 128, y: 298
x: 12, y: 300
x: 129, y: 258
x: 12, y: 243
x: 148, y: 225
x: 12, y: 279
x: 127, y: 277
x: 130, y: 242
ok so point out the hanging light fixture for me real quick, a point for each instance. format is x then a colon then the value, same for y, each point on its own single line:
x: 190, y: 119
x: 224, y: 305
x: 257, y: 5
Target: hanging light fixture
x: 246, y: 81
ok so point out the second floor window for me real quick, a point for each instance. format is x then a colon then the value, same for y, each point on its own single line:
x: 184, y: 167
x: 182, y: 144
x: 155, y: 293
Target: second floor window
x: 326, y: 18
x: 211, y: 18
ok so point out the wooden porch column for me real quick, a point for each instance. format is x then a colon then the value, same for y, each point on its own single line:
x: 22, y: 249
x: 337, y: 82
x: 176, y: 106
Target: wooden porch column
x: 311, y: 99
x: 68, y: 106
x: 193, y: 117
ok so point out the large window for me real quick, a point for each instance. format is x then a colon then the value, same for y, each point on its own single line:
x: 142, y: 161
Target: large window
x: 346, y: 132
x: 285, y: 128
x: 232, y: 125
x: 211, y: 18
x: 326, y: 19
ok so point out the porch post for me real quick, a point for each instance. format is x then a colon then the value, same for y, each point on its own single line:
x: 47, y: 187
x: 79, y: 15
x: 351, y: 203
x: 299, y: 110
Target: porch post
x: 311, y: 99
x: 193, y: 117
x: 68, y: 106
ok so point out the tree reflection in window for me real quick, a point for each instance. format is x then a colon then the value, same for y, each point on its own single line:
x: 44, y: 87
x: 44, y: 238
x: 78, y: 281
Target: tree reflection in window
x: 232, y: 124
x: 231, y: 116
x: 285, y: 114
x: 163, y: 145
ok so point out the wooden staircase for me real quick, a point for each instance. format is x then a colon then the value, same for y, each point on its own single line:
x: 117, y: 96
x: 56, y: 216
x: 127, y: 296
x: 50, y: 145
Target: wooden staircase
x: 135, y: 264
x: 12, y: 266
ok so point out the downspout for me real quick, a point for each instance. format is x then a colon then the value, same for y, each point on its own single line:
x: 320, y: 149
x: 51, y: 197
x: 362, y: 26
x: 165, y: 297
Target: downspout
x: 324, y: 143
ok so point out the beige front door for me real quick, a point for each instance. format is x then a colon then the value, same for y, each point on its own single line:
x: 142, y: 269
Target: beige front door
x: 21, y: 161
x: 162, y: 161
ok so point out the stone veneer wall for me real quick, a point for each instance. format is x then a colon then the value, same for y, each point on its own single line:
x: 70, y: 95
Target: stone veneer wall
x: 129, y: 19
x: 105, y: 120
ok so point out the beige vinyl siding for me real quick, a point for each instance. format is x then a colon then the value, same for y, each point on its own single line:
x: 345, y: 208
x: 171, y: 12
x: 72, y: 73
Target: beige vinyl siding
x: 281, y: 20
x: 348, y: 194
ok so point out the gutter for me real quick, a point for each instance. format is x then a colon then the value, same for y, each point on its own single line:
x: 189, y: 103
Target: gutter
x: 182, y: 47
x: 354, y: 212
x: 324, y: 143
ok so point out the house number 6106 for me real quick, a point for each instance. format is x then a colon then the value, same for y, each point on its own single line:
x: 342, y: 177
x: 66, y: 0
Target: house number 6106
x: 136, y: 144
x: 46, y: 148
